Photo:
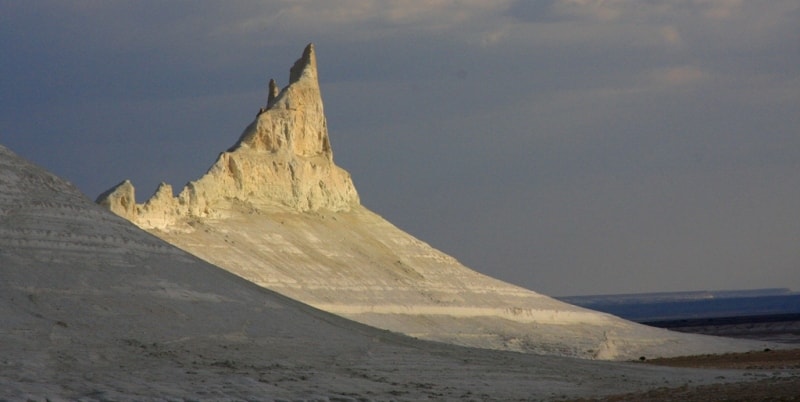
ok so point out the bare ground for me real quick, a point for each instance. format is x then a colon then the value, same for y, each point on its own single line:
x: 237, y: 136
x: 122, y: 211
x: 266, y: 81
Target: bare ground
x: 776, y: 377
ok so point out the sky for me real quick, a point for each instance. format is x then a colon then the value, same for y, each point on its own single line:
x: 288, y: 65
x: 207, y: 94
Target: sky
x: 568, y: 146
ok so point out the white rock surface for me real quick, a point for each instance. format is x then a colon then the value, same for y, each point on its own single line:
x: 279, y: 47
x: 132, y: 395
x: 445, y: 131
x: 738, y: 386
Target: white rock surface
x: 92, y: 308
x: 283, y: 158
x: 275, y: 210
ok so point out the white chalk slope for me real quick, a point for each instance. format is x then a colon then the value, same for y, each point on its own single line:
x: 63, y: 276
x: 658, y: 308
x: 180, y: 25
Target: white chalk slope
x: 93, y: 308
x: 277, y: 211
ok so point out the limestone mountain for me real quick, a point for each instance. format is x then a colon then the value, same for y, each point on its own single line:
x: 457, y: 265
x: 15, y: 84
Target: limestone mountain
x: 276, y: 210
x: 95, y: 309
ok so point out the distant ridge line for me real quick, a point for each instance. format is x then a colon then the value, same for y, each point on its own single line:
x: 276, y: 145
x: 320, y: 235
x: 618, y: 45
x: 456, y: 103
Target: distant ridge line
x: 730, y: 320
x: 675, y: 296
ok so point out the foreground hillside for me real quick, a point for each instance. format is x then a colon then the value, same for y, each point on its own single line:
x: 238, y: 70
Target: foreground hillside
x: 92, y: 308
x: 276, y: 210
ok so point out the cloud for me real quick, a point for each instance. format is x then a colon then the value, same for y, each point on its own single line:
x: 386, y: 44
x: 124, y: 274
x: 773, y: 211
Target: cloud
x: 679, y: 76
x: 719, y: 9
x: 562, y: 10
x: 534, y: 11
x: 671, y: 35
x: 363, y: 19
x: 600, y: 10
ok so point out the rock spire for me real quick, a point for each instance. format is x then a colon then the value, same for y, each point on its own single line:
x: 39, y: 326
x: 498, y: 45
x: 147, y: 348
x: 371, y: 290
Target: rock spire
x: 274, y: 91
x: 282, y: 159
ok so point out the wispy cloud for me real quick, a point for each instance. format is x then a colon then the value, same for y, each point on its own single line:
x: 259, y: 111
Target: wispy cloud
x: 679, y: 75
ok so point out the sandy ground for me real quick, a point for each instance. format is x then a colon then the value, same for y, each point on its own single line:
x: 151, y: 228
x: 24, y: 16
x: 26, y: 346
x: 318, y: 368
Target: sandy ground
x: 776, y: 377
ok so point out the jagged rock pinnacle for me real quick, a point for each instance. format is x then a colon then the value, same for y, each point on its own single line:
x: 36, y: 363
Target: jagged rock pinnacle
x: 273, y: 93
x: 305, y: 66
x: 121, y: 199
x: 294, y: 120
x: 283, y: 158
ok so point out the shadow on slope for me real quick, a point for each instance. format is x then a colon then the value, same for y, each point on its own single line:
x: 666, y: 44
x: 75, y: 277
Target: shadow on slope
x: 92, y: 307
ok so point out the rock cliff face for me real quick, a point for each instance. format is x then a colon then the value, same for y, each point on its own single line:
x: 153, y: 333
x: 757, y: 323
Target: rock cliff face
x: 283, y: 159
x: 275, y: 210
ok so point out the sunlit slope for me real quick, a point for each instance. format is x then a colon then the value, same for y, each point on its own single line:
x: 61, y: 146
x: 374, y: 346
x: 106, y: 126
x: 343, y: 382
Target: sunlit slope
x: 357, y: 265
x: 277, y: 211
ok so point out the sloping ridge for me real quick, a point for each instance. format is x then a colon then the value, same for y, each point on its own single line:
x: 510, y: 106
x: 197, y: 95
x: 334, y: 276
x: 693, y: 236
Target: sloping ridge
x: 92, y: 308
x: 275, y: 210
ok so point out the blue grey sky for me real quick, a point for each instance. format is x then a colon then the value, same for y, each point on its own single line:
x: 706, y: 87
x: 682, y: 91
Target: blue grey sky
x: 568, y: 146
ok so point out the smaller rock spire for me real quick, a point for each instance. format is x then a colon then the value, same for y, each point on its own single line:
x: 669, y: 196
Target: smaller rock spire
x: 120, y: 199
x: 273, y: 93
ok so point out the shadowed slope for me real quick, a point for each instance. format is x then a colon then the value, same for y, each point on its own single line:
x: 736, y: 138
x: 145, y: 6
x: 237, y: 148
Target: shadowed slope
x: 92, y: 308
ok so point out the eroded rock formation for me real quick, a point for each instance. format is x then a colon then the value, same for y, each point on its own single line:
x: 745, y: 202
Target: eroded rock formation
x: 250, y: 215
x: 283, y: 158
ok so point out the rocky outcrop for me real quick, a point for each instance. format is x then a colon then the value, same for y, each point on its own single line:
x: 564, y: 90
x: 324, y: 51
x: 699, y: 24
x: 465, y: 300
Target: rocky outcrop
x: 245, y: 215
x: 283, y: 158
x: 120, y: 199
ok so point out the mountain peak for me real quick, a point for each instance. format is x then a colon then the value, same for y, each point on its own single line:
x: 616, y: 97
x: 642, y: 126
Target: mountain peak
x: 283, y: 158
x: 305, y: 67
x: 294, y: 119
